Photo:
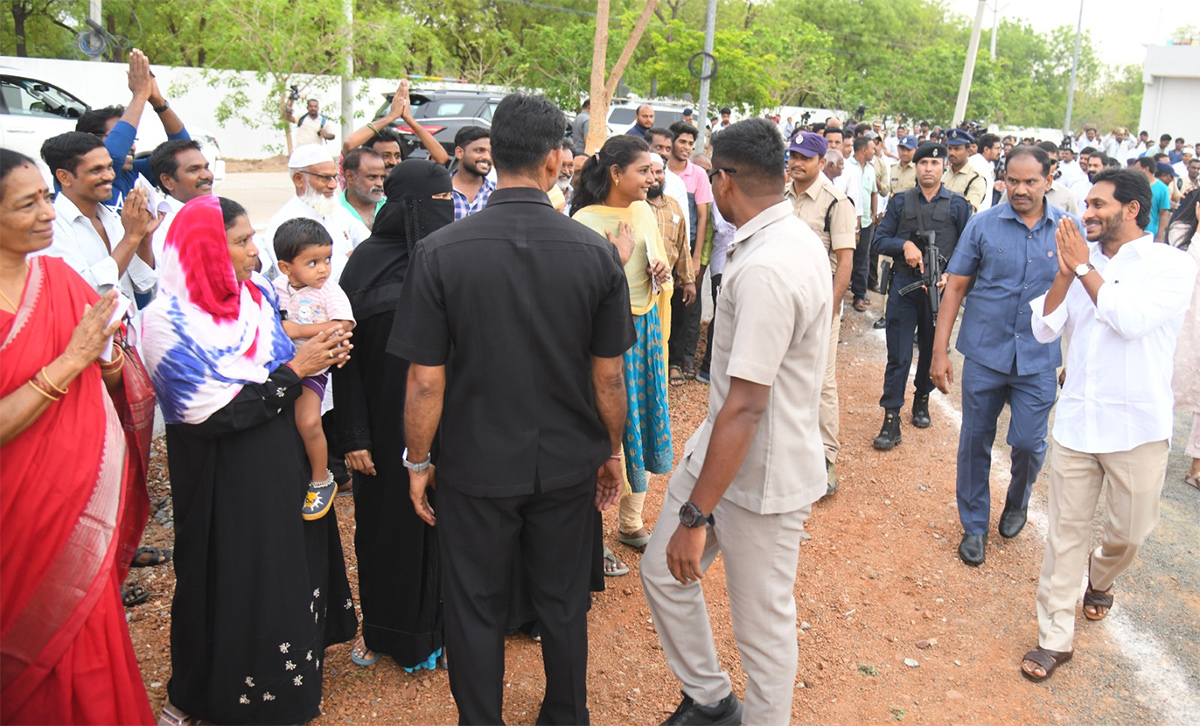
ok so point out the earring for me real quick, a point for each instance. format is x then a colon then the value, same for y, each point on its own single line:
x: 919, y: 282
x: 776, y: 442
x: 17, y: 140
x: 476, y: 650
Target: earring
x: 618, y: 181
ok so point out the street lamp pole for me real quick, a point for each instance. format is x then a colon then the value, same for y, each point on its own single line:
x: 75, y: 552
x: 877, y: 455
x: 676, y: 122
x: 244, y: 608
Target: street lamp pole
x: 1074, y: 71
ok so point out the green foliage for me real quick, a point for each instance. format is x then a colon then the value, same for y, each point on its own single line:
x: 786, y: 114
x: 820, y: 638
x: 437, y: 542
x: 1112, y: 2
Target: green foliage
x: 894, y: 56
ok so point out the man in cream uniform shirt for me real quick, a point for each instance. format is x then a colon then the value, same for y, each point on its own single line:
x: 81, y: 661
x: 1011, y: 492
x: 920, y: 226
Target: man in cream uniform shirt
x: 750, y: 473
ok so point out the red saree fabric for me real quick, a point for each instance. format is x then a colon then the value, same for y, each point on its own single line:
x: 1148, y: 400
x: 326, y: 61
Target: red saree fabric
x: 65, y: 651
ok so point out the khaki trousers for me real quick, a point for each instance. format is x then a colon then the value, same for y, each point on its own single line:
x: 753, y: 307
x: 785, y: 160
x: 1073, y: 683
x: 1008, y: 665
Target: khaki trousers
x: 1135, y: 481
x: 828, y: 415
x: 761, y: 552
x: 629, y: 512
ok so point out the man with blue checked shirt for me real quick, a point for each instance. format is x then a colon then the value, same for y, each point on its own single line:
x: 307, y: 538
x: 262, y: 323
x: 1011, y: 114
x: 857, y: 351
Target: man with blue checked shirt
x: 1010, y: 251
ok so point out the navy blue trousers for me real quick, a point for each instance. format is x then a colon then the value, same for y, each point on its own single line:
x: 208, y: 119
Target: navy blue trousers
x: 907, y: 315
x: 984, y: 393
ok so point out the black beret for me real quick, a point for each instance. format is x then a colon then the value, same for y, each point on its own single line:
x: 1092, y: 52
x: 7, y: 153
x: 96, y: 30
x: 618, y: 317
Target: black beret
x: 929, y: 151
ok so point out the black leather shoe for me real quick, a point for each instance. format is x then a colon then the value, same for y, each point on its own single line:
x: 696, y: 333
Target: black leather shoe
x: 972, y: 549
x: 889, y: 435
x: 1012, y: 521
x: 920, y: 411
x: 726, y: 711
x: 879, y: 324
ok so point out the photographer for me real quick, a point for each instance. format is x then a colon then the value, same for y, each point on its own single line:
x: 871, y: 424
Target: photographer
x: 311, y: 128
x: 928, y: 213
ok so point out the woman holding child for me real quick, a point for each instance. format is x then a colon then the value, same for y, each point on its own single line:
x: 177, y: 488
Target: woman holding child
x: 260, y: 592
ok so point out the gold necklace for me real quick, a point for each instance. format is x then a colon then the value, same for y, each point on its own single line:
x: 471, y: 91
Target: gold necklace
x: 7, y: 299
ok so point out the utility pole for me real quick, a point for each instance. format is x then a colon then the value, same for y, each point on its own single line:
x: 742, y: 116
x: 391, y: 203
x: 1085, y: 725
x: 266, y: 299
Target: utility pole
x: 348, y: 72
x: 95, y: 13
x: 964, y: 86
x: 995, y: 22
x: 710, y: 26
x: 1074, y: 71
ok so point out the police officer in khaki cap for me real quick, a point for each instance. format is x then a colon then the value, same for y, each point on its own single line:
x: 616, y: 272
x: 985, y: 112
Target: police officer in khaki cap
x: 831, y: 215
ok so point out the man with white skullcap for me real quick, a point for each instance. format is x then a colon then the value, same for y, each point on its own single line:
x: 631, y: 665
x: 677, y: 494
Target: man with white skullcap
x: 314, y: 176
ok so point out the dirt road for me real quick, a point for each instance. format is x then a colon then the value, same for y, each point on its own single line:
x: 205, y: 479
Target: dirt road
x: 880, y: 588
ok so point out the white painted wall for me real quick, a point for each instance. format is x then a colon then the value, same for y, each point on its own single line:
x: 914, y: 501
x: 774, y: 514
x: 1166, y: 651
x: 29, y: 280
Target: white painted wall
x: 1171, y: 99
x: 196, y: 101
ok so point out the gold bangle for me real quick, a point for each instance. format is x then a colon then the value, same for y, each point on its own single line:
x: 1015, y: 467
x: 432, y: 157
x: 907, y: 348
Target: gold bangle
x: 61, y: 391
x: 116, y: 362
x: 112, y: 368
x: 34, y: 383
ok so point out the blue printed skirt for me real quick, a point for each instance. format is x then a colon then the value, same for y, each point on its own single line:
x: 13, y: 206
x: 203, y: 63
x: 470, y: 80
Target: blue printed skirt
x: 648, y: 423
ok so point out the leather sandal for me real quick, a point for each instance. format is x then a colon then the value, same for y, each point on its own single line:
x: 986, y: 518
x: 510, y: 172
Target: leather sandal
x: 1049, y: 660
x: 1097, y: 599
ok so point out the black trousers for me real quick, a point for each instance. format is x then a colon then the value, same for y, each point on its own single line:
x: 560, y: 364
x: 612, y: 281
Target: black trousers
x: 480, y: 537
x: 685, y: 329
x: 865, y: 269
x: 907, y: 315
x: 706, y: 364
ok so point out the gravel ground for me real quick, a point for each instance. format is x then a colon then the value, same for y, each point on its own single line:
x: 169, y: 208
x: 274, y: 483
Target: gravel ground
x: 880, y: 589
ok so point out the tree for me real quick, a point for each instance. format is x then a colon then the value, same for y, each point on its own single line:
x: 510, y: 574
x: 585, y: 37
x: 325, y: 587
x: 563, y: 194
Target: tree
x: 602, y: 90
x: 41, y: 24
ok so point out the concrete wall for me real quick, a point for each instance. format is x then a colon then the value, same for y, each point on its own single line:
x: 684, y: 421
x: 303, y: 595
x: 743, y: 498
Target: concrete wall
x: 1171, y: 100
x: 195, y: 98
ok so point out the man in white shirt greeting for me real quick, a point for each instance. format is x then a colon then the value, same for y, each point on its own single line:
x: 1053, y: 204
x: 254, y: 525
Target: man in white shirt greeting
x: 1120, y: 301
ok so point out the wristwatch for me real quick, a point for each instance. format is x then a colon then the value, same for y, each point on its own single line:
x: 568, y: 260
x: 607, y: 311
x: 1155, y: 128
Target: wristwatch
x: 419, y: 466
x: 690, y: 516
x: 1084, y: 269
x: 159, y: 109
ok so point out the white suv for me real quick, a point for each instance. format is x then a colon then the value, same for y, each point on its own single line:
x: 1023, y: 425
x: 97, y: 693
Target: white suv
x: 622, y: 115
x: 33, y: 110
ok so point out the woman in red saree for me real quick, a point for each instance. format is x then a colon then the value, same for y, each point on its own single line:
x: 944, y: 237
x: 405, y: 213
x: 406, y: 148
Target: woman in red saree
x: 69, y: 494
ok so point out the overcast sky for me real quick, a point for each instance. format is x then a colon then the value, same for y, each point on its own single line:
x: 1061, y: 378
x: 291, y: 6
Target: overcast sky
x: 1120, y: 29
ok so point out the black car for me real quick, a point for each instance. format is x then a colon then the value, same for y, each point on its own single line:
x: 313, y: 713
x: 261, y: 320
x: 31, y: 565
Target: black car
x: 443, y: 113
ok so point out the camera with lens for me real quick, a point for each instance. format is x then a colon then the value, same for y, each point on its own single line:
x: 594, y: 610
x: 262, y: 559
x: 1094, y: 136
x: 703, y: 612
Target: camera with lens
x: 295, y: 92
x: 804, y: 117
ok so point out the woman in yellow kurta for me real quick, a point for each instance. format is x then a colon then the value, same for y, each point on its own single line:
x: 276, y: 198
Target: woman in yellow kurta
x: 611, y: 199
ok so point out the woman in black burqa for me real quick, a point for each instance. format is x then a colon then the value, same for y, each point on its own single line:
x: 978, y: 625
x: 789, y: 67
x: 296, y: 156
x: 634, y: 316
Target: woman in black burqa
x: 398, y: 575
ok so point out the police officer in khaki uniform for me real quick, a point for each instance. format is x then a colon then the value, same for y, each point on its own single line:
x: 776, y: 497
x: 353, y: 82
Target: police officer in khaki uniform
x: 831, y: 215
x: 904, y: 174
x: 961, y: 177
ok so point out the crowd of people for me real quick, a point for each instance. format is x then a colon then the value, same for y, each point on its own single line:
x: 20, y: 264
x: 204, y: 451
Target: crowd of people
x: 480, y: 347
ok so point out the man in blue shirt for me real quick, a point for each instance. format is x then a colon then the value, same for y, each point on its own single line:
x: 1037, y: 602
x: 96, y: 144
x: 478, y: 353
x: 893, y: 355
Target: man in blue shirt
x: 929, y: 212
x: 117, y: 127
x: 1010, y: 251
x: 1160, y: 204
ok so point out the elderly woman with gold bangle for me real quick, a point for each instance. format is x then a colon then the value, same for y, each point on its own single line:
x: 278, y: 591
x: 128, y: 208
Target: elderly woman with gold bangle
x: 71, y: 509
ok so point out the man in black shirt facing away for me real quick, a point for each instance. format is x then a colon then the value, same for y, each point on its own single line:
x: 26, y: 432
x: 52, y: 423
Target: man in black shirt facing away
x: 537, y: 308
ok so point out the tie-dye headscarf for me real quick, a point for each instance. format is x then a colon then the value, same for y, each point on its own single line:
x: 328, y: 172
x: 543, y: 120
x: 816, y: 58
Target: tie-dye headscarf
x: 206, y: 335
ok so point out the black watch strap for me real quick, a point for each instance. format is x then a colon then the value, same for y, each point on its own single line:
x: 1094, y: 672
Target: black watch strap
x: 691, y: 517
x: 165, y: 105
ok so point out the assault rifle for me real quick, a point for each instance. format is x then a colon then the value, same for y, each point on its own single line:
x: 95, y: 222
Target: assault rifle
x: 932, y: 274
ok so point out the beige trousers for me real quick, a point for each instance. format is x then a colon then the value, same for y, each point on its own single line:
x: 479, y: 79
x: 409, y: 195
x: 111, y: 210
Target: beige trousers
x: 629, y: 512
x: 1135, y: 481
x: 761, y: 552
x: 828, y: 415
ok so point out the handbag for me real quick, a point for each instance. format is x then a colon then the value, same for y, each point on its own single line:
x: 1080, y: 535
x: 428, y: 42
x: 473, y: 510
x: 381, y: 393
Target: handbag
x: 134, y: 402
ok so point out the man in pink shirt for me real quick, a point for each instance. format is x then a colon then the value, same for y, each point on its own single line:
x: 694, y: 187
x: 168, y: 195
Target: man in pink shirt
x: 685, y: 319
